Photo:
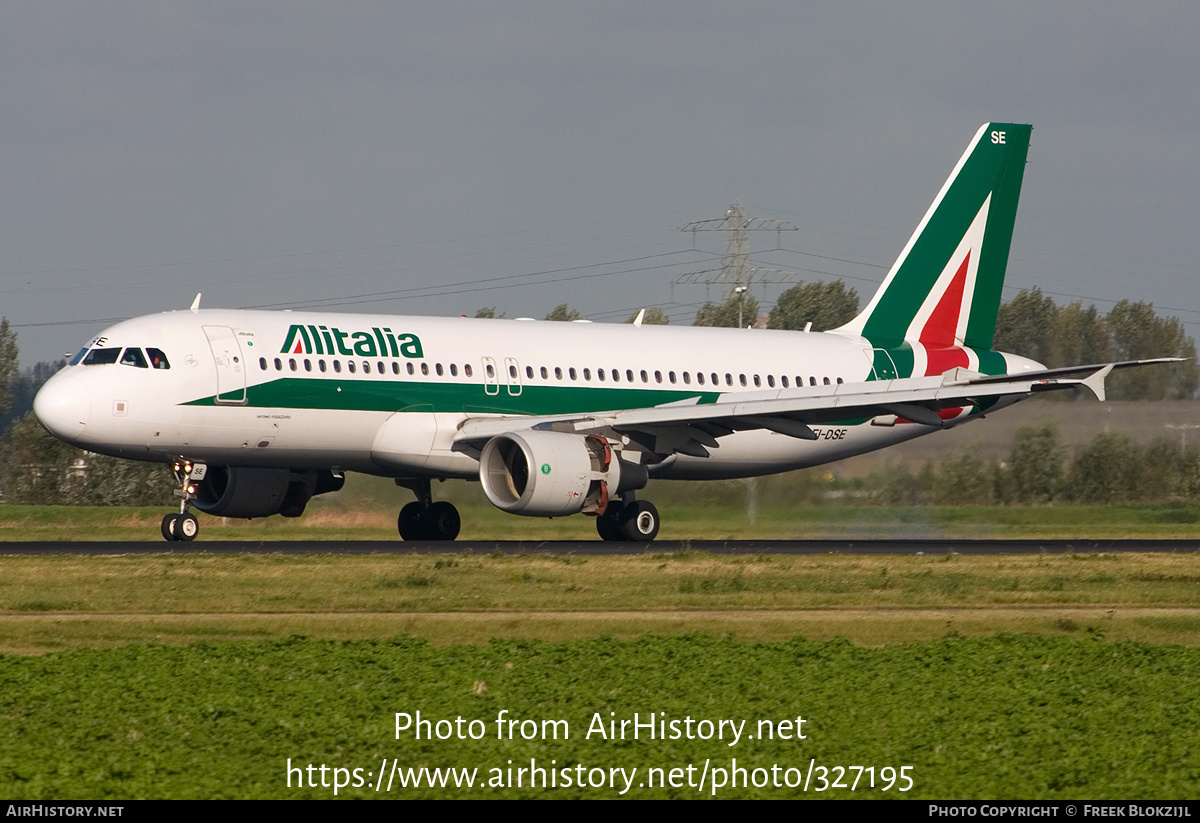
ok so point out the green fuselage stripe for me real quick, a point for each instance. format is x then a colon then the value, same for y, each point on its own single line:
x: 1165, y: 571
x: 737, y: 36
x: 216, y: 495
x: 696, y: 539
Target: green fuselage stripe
x: 472, y: 398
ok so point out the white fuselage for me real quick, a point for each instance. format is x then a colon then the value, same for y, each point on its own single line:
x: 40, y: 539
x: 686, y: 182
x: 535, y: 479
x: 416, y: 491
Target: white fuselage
x: 387, y: 394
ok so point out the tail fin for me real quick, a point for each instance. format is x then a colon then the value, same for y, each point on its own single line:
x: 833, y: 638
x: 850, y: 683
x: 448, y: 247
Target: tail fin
x: 944, y: 289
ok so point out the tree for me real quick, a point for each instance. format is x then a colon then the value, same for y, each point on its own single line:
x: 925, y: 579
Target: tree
x: 739, y: 310
x: 825, y: 305
x: 487, y: 312
x: 563, y: 312
x: 39, y: 469
x: 1026, y: 326
x: 654, y: 317
x: 1106, y: 469
x: 24, y: 387
x: 1033, y: 473
x: 1138, y: 333
x: 8, y: 363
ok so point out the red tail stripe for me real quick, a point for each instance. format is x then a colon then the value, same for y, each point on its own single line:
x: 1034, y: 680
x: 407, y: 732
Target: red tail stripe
x: 943, y: 322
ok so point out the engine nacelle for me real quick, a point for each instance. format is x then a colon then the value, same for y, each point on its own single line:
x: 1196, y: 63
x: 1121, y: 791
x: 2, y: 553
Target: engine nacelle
x: 234, y: 491
x: 551, y: 474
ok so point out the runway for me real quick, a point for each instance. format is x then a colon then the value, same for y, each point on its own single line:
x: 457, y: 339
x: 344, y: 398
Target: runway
x: 915, y: 546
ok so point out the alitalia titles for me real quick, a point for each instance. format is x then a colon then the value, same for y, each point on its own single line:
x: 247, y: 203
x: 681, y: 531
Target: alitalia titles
x: 378, y: 342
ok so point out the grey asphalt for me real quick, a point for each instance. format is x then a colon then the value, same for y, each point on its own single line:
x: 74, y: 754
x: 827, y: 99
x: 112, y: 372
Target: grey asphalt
x: 595, y: 547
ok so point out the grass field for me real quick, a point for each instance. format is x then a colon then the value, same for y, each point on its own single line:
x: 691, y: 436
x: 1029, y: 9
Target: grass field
x: 701, y: 520
x: 1021, y: 676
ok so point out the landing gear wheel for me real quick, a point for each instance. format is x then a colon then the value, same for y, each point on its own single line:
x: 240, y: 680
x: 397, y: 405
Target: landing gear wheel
x: 639, y: 521
x: 168, y: 527
x: 409, y: 522
x: 185, y: 527
x: 441, y: 521
x: 608, y: 525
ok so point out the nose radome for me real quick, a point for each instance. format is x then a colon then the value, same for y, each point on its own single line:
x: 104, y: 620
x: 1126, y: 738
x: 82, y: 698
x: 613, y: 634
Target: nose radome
x: 63, y: 406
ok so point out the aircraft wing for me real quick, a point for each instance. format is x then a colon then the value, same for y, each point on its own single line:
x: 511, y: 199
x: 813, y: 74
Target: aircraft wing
x: 691, y: 427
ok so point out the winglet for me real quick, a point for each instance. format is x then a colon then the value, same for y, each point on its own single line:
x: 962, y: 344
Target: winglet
x: 637, y: 321
x: 1095, y: 381
x: 195, y: 307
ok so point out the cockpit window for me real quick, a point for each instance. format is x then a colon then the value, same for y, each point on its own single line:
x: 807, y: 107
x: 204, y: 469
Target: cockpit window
x: 78, y: 356
x: 157, y: 359
x: 101, y: 357
x: 134, y: 357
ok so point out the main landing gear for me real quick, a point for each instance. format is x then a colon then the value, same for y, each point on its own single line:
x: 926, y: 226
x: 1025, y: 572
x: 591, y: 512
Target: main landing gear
x: 424, y: 519
x: 635, y: 521
x: 183, y: 526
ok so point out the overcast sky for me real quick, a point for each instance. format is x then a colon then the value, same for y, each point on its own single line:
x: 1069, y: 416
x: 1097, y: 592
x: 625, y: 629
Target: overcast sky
x: 437, y: 158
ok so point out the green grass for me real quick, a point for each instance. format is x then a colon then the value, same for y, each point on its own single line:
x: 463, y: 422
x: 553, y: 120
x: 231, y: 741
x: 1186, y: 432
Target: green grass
x: 55, y: 602
x: 681, y: 521
x: 1002, y: 717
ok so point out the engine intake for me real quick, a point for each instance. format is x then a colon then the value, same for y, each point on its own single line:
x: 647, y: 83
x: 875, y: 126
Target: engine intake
x: 551, y: 474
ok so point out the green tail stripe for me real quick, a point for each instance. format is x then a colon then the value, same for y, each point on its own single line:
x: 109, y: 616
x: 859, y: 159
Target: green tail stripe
x: 995, y: 166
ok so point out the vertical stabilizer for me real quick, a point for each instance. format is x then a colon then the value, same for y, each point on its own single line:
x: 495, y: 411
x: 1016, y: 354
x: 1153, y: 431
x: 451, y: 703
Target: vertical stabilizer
x: 944, y: 289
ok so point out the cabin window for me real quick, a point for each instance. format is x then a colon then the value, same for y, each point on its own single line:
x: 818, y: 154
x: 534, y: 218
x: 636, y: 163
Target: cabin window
x: 771, y: 381
x: 716, y: 379
x: 812, y: 381
x: 350, y: 366
x: 292, y: 363
x: 629, y: 375
x: 571, y: 373
x: 278, y: 365
x: 671, y: 377
x: 512, y: 371
x: 411, y: 370
x: 438, y: 369
x: 366, y: 367
x: 467, y: 370
x: 78, y: 356
x: 757, y: 381
x: 839, y: 381
x: 687, y: 379
x: 616, y: 375
x: 784, y: 381
x: 700, y: 377
x: 454, y: 370
x: 158, y: 360
x: 728, y: 379
x: 101, y: 357
x: 380, y: 367
x: 587, y: 374
x: 558, y: 373
x: 395, y: 367
x: 658, y: 377
x: 491, y: 372
x: 600, y: 375
x: 529, y: 372
x: 425, y: 369
x: 826, y: 381
x: 135, y: 358
x: 307, y: 364
x: 545, y: 373
x: 337, y: 366
x: 321, y: 365
x: 742, y: 379
x: 262, y: 363
x: 645, y: 377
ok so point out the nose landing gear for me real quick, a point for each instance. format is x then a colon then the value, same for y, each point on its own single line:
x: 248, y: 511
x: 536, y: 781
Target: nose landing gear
x: 184, y: 526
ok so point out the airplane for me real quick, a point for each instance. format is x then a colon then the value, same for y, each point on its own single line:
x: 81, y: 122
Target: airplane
x: 259, y: 411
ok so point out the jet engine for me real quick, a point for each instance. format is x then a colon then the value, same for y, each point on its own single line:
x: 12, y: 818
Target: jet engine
x: 233, y: 491
x: 551, y: 474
